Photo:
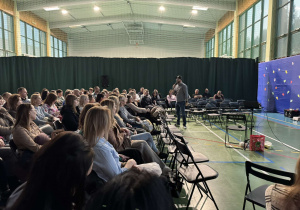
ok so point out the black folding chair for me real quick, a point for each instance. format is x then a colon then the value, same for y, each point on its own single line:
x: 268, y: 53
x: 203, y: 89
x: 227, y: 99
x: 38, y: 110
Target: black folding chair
x: 257, y: 196
x: 196, y: 174
x: 235, y: 118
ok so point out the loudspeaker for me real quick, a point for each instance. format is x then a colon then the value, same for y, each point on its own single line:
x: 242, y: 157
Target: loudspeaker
x: 104, y: 81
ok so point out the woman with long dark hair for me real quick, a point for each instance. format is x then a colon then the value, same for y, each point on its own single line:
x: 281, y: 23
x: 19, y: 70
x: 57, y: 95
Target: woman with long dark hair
x: 70, y: 113
x: 57, y: 177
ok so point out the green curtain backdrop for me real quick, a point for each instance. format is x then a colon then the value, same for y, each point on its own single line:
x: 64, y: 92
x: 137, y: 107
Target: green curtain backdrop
x: 237, y: 78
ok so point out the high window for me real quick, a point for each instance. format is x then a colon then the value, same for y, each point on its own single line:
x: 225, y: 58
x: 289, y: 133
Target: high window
x: 58, y: 47
x: 210, y: 48
x: 7, y: 45
x: 225, y: 40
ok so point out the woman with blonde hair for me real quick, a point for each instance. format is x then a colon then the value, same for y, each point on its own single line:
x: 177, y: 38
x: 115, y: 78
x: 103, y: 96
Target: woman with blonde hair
x: 41, y: 114
x: 280, y: 196
x: 121, y: 139
x: 83, y: 100
x: 106, y: 162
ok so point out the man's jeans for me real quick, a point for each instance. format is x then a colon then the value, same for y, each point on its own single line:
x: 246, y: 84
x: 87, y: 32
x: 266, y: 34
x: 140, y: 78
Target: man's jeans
x: 180, y: 107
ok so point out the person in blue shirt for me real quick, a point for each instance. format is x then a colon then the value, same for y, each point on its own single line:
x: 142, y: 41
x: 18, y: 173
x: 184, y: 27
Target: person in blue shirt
x: 106, y: 162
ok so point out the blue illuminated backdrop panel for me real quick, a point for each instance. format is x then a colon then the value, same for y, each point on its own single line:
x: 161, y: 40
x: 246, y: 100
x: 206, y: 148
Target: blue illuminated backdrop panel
x: 279, y: 84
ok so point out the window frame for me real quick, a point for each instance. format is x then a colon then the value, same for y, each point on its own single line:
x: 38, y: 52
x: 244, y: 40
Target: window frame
x: 6, y: 52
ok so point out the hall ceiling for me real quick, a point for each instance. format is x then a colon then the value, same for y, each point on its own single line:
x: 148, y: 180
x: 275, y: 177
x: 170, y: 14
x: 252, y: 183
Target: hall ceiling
x: 118, y: 14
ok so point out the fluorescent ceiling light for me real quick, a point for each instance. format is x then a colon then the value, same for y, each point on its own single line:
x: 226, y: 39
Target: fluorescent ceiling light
x: 199, y: 8
x: 75, y: 26
x: 189, y: 26
x: 162, y: 8
x: 51, y: 8
x: 194, y: 12
x: 64, y: 12
x: 96, y: 8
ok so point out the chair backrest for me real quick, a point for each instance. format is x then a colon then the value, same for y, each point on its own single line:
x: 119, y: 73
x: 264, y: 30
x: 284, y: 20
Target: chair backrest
x: 236, y: 117
x: 275, y: 176
x: 13, y: 148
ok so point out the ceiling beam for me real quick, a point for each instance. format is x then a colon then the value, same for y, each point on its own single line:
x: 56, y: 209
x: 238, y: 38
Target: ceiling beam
x: 213, y: 4
x: 129, y: 17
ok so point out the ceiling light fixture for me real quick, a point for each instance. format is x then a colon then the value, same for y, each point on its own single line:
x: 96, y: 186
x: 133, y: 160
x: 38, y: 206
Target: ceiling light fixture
x: 200, y: 8
x: 51, y: 8
x: 194, y: 12
x: 162, y: 8
x: 96, y: 8
x: 64, y: 12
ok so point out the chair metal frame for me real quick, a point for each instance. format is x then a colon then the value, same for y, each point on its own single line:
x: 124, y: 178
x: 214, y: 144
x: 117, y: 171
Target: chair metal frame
x: 200, y: 180
x: 282, y: 177
x: 236, y: 118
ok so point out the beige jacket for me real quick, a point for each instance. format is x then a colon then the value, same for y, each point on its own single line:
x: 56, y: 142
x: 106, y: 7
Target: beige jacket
x: 6, y: 123
x: 24, y: 139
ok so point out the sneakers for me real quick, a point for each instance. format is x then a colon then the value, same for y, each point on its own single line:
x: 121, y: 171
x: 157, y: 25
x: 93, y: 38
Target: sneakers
x: 177, y: 125
x: 184, y: 126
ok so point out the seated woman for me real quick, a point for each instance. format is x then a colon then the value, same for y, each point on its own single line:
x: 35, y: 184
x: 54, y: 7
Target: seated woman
x: 135, y: 188
x: 91, y: 98
x: 171, y: 98
x: 106, y: 162
x: 13, y: 102
x: 133, y: 109
x: 6, y: 123
x: 126, y: 116
x: 120, y: 121
x: 70, y: 113
x: 49, y: 105
x: 83, y: 100
x: 44, y: 94
x: 57, y: 177
x: 99, y: 97
x: 121, y: 138
x: 42, y: 117
x: 155, y: 96
x: 26, y: 134
x: 219, y: 95
x: 284, y: 197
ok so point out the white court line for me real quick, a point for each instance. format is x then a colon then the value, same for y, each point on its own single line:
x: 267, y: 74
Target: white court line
x: 224, y: 141
x: 278, y: 141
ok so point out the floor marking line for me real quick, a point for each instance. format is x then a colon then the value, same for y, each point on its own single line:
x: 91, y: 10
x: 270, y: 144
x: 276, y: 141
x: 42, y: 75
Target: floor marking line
x: 224, y: 142
x: 283, y: 155
x: 265, y: 118
x: 278, y: 141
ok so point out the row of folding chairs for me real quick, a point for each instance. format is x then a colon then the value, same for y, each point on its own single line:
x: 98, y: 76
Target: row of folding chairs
x: 187, y: 164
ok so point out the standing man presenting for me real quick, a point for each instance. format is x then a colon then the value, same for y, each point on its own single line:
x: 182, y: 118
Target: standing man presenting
x: 181, y: 92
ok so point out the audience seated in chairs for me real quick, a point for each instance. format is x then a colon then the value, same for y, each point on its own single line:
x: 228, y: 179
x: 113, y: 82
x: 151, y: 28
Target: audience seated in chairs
x: 83, y: 100
x: 60, y: 98
x: 284, y: 197
x: 133, y: 190
x: 197, y: 95
x: 146, y: 101
x: 44, y: 93
x: 42, y: 117
x: 219, y: 95
x: 5, y: 97
x: 133, y: 109
x: 155, y: 96
x: 121, y: 138
x: 6, y: 123
x: 126, y: 116
x: 91, y: 98
x: 23, y: 94
x: 49, y: 105
x: 13, y: 102
x: 106, y: 162
x: 206, y: 94
x: 57, y: 177
x: 70, y: 113
x: 171, y: 98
